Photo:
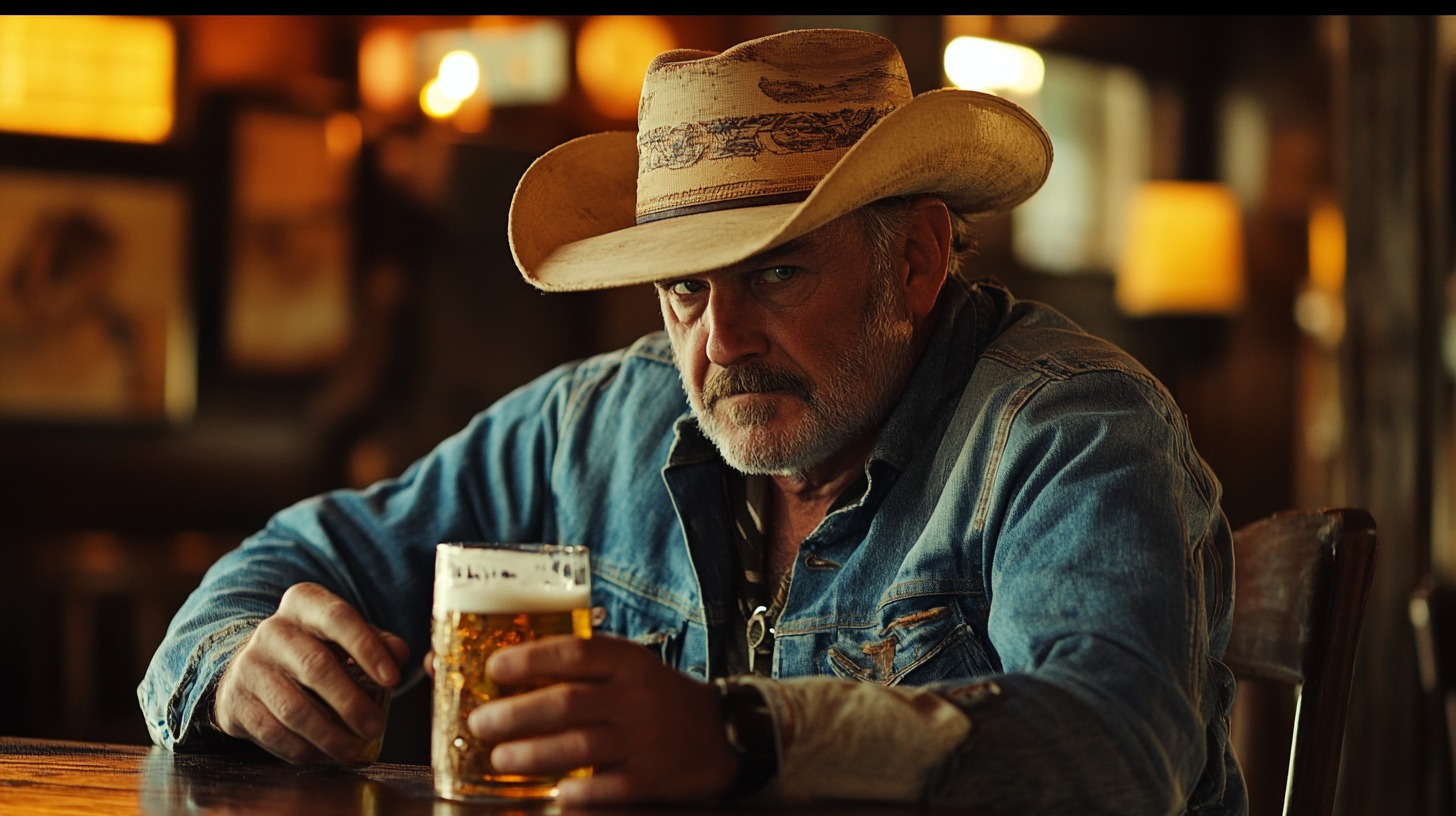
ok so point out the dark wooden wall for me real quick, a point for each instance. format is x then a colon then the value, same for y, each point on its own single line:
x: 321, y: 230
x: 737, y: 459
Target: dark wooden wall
x: 1396, y: 129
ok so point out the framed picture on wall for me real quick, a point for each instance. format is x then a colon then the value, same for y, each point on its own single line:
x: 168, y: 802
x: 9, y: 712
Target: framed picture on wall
x: 288, y: 280
x: 95, y: 318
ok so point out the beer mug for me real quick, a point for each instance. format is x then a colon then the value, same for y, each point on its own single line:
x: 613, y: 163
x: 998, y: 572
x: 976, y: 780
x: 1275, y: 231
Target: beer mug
x: 488, y: 596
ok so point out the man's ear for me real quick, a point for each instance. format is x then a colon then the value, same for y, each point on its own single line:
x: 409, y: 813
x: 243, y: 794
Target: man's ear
x: 927, y: 254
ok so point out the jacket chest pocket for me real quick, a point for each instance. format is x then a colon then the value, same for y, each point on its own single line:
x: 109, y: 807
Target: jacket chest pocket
x: 915, y: 641
x: 659, y: 629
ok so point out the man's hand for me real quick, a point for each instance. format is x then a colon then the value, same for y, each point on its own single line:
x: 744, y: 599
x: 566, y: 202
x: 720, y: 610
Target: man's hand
x: 287, y: 691
x: 649, y: 733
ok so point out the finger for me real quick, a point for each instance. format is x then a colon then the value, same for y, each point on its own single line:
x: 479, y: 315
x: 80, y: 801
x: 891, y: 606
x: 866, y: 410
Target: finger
x: 601, y: 788
x: 547, y: 710
x: 559, y: 753
x: 251, y: 719
x: 329, y: 617
x: 430, y: 663
x: 561, y: 657
x: 397, y: 647
x: 248, y: 697
x: 302, y: 713
x: 313, y: 666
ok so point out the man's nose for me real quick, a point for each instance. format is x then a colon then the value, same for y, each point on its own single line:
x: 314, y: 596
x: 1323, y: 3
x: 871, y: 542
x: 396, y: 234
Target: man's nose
x: 735, y: 328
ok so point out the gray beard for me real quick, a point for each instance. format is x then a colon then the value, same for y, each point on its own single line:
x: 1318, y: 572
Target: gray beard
x: 856, y: 397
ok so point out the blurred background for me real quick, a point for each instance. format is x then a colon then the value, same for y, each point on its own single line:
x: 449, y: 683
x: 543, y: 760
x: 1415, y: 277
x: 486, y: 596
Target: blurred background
x: 247, y: 259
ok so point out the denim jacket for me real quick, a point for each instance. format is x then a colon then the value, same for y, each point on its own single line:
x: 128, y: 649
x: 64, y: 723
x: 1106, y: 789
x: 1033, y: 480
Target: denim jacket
x: 1037, y: 541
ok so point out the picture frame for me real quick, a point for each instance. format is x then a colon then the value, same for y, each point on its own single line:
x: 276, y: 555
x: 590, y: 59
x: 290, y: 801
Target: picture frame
x: 96, y: 321
x: 288, y: 278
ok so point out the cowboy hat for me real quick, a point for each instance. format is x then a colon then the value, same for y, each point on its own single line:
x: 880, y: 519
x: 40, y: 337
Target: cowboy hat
x: 742, y: 151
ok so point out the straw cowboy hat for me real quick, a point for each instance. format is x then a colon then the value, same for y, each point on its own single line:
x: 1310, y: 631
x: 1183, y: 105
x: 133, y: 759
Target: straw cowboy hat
x: 742, y: 151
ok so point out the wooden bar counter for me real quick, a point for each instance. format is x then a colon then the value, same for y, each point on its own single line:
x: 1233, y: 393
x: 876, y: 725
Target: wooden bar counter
x: 51, y: 778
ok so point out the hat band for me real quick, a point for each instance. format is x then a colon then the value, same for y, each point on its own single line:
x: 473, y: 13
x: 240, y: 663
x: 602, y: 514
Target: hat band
x: 743, y: 160
x: 728, y: 204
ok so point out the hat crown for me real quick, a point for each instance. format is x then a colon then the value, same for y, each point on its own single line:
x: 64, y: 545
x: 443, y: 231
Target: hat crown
x: 762, y: 122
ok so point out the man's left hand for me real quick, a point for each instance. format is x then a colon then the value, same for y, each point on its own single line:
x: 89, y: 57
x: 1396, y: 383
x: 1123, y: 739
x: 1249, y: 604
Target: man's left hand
x: 649, y: 733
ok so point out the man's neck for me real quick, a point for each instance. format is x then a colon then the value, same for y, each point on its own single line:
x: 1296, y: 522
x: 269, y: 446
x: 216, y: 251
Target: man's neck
x: 822, y: 484
x: 796, y: 503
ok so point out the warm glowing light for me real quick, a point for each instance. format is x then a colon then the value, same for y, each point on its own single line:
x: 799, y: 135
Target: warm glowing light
x: 1327, y: 248
x: 386, y: 69
x: 457, y: 79
x: 88, y: 77
x: 437, y: 102
x: 459, y: 74
x: 1185, y: 251
x: 978, y: 64
x: 342, y: 136
x: 1319, y: 308
x: 498, y: 61
x: 612, y: 54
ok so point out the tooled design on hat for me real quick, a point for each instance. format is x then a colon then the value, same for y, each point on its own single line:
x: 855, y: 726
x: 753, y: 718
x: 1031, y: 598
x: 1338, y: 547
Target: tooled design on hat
x: 682, y: 146
x: 867, y: 86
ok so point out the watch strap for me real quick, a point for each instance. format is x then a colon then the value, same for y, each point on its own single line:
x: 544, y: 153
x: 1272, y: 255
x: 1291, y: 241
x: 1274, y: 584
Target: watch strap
x: 748, y: 726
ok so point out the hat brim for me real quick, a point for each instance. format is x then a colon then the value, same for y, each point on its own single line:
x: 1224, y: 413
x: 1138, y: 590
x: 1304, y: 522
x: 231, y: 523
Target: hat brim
x: 572, y: 220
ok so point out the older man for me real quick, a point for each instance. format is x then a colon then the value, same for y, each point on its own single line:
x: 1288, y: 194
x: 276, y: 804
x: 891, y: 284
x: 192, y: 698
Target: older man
x: 860, y: 529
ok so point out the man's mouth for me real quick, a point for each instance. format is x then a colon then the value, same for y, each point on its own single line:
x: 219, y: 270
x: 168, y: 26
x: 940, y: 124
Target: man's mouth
x: 733, y: 382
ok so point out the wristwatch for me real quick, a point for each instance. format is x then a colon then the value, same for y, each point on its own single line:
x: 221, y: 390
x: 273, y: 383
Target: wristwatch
x: 749, y: 728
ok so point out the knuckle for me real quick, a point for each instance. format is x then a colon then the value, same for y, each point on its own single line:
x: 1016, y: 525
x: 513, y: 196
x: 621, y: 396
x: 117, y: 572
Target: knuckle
x: 267, y: 628
x: 335, y: 613
x: 315, y: 664
x: 585, y: 702
x: 590, y: 745
x: 270, y: 732
x: 566, y: 701
x: 576, y: 650
x: 296, y: 594
x: 292, y: 710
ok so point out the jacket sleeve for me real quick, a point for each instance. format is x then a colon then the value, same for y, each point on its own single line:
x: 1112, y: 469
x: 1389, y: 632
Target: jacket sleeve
x: 374, y: 548
x: 1110, y: 578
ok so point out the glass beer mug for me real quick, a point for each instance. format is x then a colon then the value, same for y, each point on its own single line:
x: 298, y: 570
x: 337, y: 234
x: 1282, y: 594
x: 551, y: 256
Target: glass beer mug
x: 488, y: 596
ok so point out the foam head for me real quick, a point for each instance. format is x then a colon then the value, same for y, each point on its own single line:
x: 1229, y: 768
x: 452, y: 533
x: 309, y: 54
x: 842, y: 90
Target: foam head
x: 500, y: 579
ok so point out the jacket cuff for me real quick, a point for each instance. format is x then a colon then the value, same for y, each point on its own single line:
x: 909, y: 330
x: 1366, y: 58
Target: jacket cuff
x: 833, y: 734
x: 187, y: 715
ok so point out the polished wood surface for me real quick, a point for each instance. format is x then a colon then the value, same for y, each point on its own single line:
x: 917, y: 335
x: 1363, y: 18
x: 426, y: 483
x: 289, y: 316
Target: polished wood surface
x: 49, y: 778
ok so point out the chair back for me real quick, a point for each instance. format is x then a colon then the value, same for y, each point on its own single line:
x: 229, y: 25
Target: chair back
x: 1301, y: 579
x: 1433, y: 616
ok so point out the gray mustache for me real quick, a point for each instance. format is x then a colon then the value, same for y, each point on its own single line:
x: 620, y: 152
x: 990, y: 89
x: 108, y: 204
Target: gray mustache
x: 752, y: 380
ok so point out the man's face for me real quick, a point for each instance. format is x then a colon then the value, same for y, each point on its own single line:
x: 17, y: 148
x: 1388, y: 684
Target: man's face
x: 793, y: 355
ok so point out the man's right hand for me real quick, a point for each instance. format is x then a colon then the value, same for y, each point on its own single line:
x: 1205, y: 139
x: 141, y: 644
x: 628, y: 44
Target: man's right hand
x: 287, y: 691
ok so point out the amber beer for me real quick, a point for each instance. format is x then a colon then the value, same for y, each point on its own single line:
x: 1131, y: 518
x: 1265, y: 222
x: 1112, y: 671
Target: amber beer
x: 488, y: 596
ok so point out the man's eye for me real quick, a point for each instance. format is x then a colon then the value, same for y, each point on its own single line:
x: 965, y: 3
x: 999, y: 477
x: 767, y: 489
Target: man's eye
x: 685, y: 287
x: 778, y: 274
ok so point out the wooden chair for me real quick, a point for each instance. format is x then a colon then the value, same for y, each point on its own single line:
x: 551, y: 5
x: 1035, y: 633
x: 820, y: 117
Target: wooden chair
x: 1433, y: 616
x: 1300, y: 584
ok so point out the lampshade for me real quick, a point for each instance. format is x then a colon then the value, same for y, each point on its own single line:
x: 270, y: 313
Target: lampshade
x: 1184, y: 251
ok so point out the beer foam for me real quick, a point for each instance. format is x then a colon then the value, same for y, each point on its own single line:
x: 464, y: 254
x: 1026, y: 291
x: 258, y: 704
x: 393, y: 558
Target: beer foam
x: 496, y: 598
x: 493, y: 581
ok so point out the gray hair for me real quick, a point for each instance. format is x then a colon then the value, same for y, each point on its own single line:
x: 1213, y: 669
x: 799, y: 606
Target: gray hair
x: 883, y: 224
